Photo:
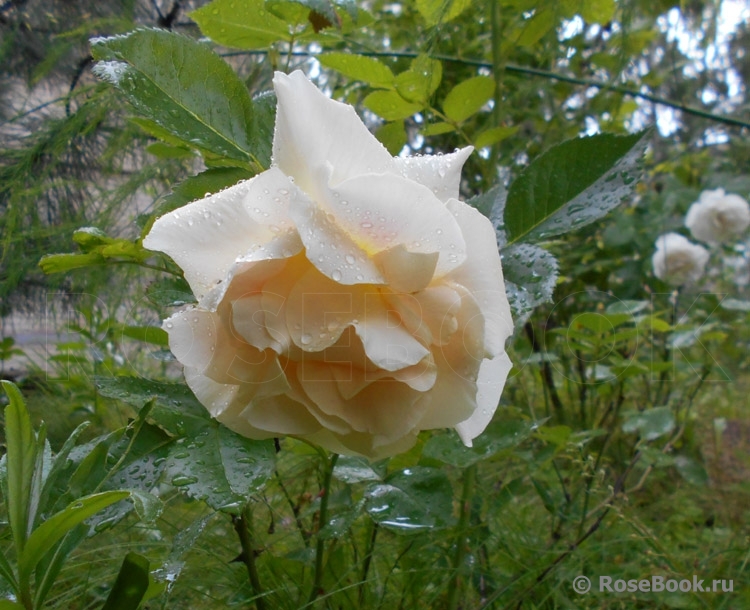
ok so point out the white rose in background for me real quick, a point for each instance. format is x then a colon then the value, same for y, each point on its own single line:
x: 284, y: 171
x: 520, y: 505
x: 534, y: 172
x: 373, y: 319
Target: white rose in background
x: 677, y: 260
x: 717, y: 217
x: 344, y: 296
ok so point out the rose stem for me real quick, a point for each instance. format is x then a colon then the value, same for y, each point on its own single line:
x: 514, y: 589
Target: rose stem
x: 470, y: 475
x: 366, y: 564
x: 322, y: 521
x: 243, y: 527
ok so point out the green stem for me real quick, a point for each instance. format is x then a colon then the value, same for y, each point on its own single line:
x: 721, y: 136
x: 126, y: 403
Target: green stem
x: 243, y: 527
x: 470, y: 475
x: 543, y: 74
x: 366, y: 564
x: 498, y: 70
x: 322, y: 521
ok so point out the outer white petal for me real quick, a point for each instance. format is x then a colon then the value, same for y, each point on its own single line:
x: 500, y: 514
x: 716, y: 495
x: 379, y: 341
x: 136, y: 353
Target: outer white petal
x: 379, y: 212
x: 313, y: 131
x: 482, y: 275
x: 329, y: 247
x: 492, y: 376
x: 440, y: 173
x: 206, y: 237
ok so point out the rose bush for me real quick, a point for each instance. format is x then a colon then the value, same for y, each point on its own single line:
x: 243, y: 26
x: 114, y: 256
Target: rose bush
x: 344, y: 296
x: 717, y: 217
x: 677, y: 260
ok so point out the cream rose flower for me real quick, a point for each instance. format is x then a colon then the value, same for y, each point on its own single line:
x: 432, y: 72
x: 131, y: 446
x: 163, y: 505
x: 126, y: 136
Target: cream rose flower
x: 717, y: 217
x: 344, y: 296
x: 677, y: 260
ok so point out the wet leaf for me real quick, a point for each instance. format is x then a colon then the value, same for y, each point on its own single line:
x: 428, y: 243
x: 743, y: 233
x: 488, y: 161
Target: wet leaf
x: 530, y: 274
x: 182, y: 86
x: 573, y: 184
x: 411, y: 501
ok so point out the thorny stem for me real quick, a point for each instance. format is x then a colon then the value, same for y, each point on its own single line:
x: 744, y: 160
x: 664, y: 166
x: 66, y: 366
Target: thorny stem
x: 470, y: 475
x: 322, y: 521
x: 243, y: 527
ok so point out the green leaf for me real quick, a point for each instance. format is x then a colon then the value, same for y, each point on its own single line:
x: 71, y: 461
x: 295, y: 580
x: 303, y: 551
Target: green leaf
x: 572, y: 185
x: 421, y: 80
x: 501, y: 436
x: 468, y: 97
x: 7, y: 573
x: 262, y: 126
x: 354, y: 470
x: 691, y: 470
x: 436, y: 129
x: 599, y: 323
x: 220, y: 467
x: 366, y: 69
x: 536, y: 27
x: 598, y: 11
x: 411, y: 501
x: 627, y: 306
x: 441, y: 11
x: 169, y: 292
x: 530, y: 274
x: 131, y: 584
x: 53, y: 529
x: 241, y: 25
x: 147, y: 334
x: 650, y: 424
x: 392, y: 136
x: 182, y: 543
x: 61, y: 263
x: 183, y: 87
x: 21, y: 445
x: 165, y: 151
x: 494, y: 135
x: 390, y: 105
x: 6, y: 604
x: 176, y: 410
x: 91, y: 238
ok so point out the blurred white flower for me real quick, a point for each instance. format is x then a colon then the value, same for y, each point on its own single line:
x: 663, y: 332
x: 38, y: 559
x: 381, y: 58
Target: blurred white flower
x: 717, y: 216
x: 677, y: 260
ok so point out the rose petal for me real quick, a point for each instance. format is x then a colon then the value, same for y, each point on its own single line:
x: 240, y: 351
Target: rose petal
x: 312, y: 130
x: 406, y: 271
x: 482, y: 275
x: 367, y: 411
x: 329, y: 247
x: 206, y: 237
x: 453, y: 397
x: 279, y: 415
x: 492, y: 376
x: 383, y: 211
x: 440, y: 173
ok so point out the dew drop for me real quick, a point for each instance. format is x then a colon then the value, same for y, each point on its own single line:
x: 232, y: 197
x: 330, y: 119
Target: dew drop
x: 305, y: 339
x: 350, y: 259
x: 336, y: 275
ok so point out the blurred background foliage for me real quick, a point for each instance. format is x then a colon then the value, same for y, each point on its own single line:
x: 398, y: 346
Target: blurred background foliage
x: 512, y: 77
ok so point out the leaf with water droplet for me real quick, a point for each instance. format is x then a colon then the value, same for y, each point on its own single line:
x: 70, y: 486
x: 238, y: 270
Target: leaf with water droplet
x: 412, y: 500
x: 224, y: 469
x: 501, y: 437
x: 183, y: 87
x: 572, y: 185
x: 530, y: 274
